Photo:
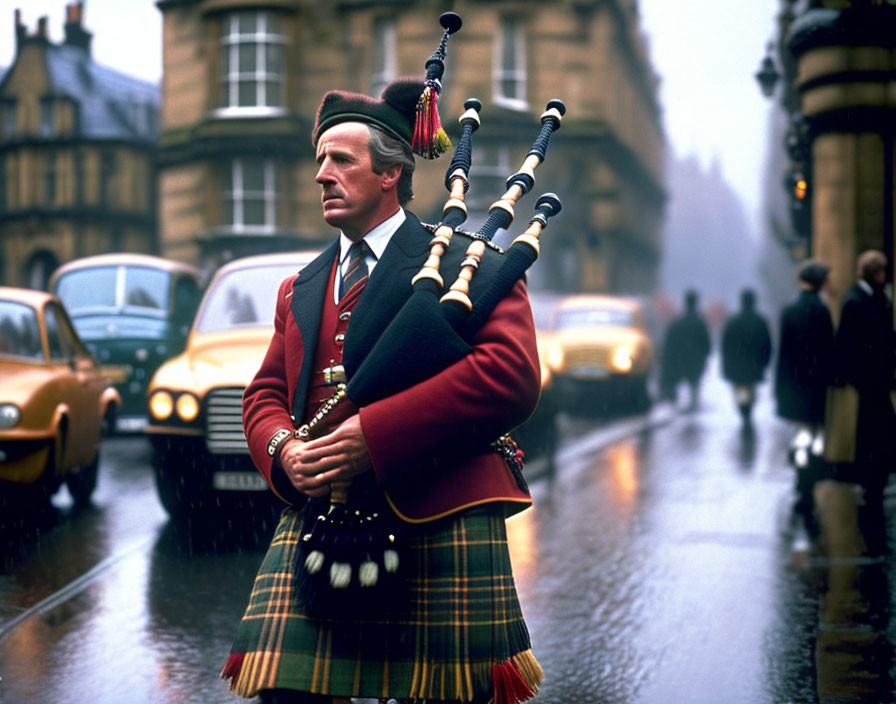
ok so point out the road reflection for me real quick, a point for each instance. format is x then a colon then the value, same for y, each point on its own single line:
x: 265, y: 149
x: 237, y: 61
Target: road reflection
x: 197, y: 589
x: 854, y: 650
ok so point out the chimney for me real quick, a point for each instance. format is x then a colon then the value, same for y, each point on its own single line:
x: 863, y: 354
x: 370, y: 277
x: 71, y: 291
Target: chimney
x: 20, y: 29
x: 42, y: 27
x: 75, y: 34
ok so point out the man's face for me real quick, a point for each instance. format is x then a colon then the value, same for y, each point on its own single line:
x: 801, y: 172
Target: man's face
x: 351, y: 194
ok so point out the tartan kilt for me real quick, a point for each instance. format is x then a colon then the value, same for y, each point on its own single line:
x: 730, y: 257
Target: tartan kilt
x: 459, y: 634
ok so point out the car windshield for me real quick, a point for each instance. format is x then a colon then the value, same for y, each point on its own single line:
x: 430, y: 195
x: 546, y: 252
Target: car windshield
x: 19, y: 331
x: 593, y: 318
x: 243, y: 298
x: 123, y: 289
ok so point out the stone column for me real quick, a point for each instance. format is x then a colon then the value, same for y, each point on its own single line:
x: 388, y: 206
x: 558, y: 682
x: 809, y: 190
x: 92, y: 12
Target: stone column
x: 846, y: 77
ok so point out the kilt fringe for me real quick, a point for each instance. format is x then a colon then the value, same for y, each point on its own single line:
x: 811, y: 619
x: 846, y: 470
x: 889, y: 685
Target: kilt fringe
x: 232, y: 667
x: 513, y: 681
x: 517, y: 680
x: 248, y: 673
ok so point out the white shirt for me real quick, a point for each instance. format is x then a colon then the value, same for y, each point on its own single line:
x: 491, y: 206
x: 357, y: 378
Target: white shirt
x: 376, y: 239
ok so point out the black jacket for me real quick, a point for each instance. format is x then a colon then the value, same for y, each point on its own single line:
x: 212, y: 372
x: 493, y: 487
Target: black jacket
x: 803, y: 369
x: 746, y: 347
x: 864, y: 356
x: 685, y: 349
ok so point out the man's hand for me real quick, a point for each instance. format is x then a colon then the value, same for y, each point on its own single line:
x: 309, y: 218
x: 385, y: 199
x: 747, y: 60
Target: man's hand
x: 340, y: 456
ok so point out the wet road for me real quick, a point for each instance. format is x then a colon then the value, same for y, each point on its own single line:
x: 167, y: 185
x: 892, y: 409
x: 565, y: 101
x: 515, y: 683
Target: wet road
x: 658, y: 566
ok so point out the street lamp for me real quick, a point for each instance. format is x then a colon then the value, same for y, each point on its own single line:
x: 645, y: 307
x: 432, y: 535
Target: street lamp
x: 768, y: 75
x: 797, y: 140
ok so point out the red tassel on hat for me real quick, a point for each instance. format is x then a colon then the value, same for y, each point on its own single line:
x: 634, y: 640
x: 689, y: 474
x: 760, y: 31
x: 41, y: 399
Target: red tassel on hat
x: 430, y: 139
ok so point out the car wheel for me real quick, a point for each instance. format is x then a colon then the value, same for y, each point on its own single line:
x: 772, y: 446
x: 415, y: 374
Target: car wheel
x: 51, y: 480
x: 178, y: 483
x: 81, y: 482
x: 109, y: 421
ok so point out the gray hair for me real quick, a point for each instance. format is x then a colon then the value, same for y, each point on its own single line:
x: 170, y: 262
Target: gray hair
x: 386, y: 151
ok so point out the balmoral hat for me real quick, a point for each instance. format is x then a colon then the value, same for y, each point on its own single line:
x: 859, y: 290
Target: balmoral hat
x: 406, y: 110
x: 394, y: 113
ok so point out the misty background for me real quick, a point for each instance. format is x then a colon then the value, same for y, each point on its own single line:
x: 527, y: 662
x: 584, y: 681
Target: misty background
x: 726, y: 209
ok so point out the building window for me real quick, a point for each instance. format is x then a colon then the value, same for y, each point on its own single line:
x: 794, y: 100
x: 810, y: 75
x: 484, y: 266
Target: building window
x: 510, y: 65
x: 250, y: 196
x: 49, y: 179
x: 383, y: 59
x: 46, y: 117
x: 107, y: 179
x: 253, y: 62
x: 8, y: 117
x: 79, y: 177
x: 488, y: 177
x: 40, y: 266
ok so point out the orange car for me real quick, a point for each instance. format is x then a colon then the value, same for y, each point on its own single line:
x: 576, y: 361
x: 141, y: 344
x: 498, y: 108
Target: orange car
x: 54, y: 401
x: 200, y: 455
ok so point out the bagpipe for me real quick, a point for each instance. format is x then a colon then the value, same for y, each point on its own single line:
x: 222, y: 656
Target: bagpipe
x: 345, y: 549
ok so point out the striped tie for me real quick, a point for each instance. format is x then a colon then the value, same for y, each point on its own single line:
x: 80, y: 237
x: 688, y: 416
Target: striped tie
x: 356, y: 273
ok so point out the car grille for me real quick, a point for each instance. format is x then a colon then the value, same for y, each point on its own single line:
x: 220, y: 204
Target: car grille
x: 224, y: 422
x: 586, y: 357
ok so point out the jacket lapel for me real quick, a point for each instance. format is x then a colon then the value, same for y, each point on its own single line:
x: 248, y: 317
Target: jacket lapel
x: 386, y: 291
x: 309, y: 290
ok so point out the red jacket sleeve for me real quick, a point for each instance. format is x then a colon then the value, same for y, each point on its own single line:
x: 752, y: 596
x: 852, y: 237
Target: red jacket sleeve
x: 267, y: 401
x: 466, y: 406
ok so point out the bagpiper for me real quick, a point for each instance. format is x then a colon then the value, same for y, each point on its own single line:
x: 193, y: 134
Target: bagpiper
x: 380, y: 415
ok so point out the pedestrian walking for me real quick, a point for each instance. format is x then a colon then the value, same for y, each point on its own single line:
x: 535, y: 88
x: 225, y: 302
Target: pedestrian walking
x: 802, y: 375
x: 420, y: 461
x: 686, y: 347
x: 746, y: 352
x: 865, y: 359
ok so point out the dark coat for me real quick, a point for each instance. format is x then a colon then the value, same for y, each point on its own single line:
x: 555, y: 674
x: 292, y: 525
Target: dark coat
x: 419, y: 439
x: 685, y: 349
x: 803, y: 368
x: 746, y: 347
x: 864, y: 356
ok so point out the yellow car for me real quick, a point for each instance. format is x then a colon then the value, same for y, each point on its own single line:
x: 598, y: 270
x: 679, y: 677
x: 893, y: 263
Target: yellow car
x: 54, y: 401
x: 200, y: 455
x: 599, y: 352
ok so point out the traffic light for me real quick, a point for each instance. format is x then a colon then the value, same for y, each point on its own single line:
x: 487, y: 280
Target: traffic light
x: 797, y: 186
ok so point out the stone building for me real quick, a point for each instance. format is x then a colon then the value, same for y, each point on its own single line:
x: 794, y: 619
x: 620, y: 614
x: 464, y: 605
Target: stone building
x: 242, y: 80
x: 77, y: 155
x: 838, y: 64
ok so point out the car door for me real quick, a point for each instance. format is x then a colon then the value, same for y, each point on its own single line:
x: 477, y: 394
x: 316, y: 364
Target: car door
x: 79, y: 386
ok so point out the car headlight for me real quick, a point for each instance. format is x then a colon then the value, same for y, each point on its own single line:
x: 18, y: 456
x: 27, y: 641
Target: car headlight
x: 161, y: 405
x: 10, y: 415
x: 623, y: 359
x: 187, y: 407
x: 555, y: 357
